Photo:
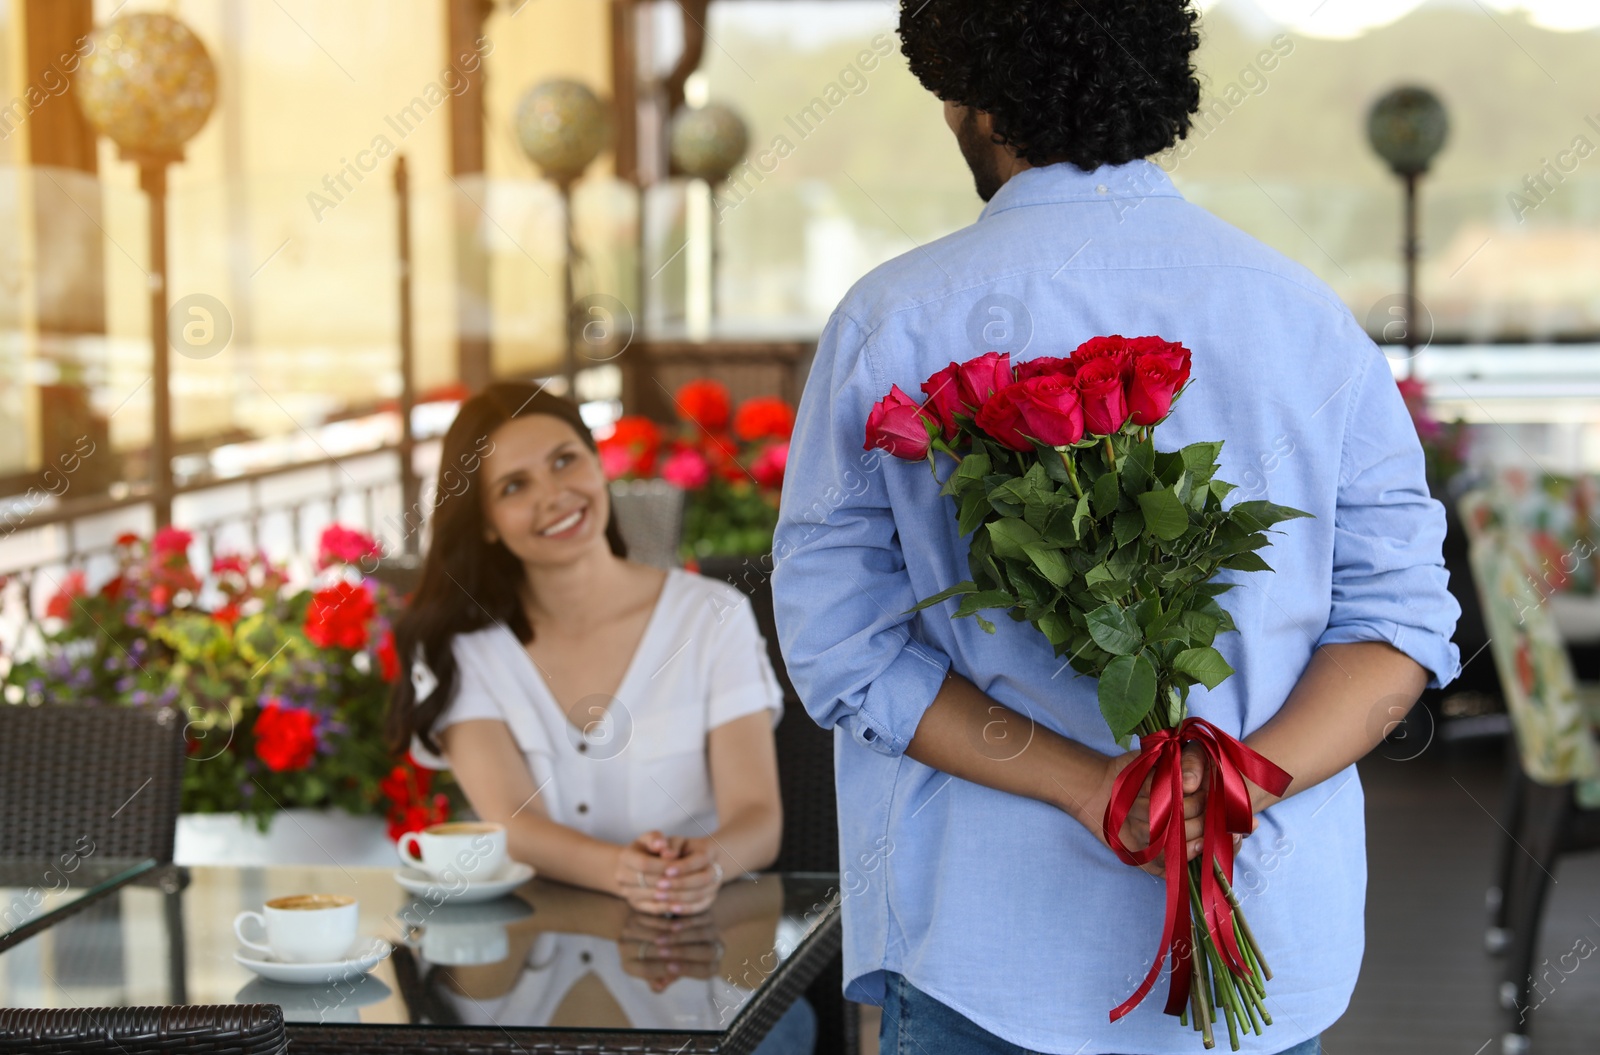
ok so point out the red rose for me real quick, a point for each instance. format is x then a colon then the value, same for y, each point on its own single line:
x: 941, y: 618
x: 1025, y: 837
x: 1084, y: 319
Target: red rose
x: 1095, y: 349
x: 1046, y: 364
x: 978, y: 379
x: 705, y: 403
x: 337, y: 617
x: 769, y: 465
x: 286, y: 737
x: 1001, y: 419
x: 898, y: 424
x: 944, y: 399
x: 1105, y: 403
x: 764, y: 418
x: 1172, y: 355
x: 1160, y: 370
x: 1050, y: 407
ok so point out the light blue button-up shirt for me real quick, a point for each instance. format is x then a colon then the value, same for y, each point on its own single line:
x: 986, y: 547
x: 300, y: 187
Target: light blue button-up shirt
x: 1003, y: 907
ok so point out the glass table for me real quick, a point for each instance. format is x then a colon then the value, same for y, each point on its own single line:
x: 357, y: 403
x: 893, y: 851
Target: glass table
x: 36, y: 892
x: 548, y: 968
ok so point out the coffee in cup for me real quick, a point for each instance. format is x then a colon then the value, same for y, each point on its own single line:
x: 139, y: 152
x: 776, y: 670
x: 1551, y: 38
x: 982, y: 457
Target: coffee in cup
x: 469, y: 850
x: 303, y: 928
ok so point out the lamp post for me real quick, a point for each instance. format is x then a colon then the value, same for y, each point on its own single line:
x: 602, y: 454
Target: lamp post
x: 562, y: 127
x: 149, y: 84
x: 1407, y: 128
x: 706, y: 142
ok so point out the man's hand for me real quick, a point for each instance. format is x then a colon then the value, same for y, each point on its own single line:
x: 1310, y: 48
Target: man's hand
x: 1136, y: 828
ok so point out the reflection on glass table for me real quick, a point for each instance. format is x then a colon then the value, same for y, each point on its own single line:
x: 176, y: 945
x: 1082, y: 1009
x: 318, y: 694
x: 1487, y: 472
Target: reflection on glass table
x: 585, y: 960
x: 34, y: 892
x: 550, y: 961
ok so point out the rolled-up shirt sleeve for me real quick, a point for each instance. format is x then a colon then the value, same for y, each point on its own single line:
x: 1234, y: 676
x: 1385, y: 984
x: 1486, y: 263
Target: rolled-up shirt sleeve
x: 1389, y: 579
x: 840, y: 587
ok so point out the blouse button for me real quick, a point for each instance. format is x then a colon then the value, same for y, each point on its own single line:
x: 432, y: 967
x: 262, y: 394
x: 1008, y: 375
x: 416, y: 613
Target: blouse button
x: 583, y: 807
x: 584, y: 956
x: 583, y: 746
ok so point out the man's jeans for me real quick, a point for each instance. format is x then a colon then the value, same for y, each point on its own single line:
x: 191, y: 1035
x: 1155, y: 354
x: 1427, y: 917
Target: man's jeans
x: 914, y: 1023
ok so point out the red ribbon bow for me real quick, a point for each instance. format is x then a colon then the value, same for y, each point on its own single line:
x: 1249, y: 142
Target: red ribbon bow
x: 1226, y: 813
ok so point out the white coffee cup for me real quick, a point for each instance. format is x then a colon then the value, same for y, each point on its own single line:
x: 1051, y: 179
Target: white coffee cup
x: 303, y: 928
x: 469, y: 850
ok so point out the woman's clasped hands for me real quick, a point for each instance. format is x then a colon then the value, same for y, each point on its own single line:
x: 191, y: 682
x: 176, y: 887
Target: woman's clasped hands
x: 668, y: 874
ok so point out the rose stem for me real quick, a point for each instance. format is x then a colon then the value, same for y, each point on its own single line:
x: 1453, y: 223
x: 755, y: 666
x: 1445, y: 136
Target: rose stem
x: 1257, y: 983
x: 1244, y: 924
x: 1227, y: 985
x: 1203, y: 1001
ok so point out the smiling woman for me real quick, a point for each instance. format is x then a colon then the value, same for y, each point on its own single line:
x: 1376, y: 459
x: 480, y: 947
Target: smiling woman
x: 615, y: 718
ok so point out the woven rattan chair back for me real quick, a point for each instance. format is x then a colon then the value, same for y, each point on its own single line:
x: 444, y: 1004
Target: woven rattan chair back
x: 112, y: 775
x: 220, y: 1029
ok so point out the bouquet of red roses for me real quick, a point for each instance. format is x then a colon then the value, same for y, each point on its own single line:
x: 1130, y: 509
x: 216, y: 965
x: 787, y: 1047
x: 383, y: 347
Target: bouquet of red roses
x: 1109, y: 547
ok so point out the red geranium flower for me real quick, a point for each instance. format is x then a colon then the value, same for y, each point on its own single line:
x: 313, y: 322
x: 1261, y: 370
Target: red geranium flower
x: 764, y: 418
x: 388, y: 658
x: 338, y: 616
x: 705, y: 403
x: 60, y: 605
x: 286, y: 737
x: 687, y: 468
x: 631, y: 448
x: 227, y: 615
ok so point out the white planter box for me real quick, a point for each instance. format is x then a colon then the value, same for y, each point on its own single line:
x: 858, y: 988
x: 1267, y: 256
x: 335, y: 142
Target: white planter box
x: 297, y: 836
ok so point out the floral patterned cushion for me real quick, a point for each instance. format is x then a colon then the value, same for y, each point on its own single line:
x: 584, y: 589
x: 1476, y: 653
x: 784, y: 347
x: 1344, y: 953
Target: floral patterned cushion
x: 1558, y: 514
x: 1555, y: 730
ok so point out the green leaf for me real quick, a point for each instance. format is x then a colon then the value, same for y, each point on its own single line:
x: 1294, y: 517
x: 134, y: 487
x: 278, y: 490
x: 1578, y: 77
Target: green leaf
x: 1051, y: 564
x: 1105, y: 495
x: 1201, y: 626
x: 1260, y: 516
x: 1127, y: 525
x: 1222, y: 488
x: 972, y: 604
x: 1127, y: 692
x: 974, y: 510
x: 1201, y: 458
x: 1079, y: 514
x: 1056, y: 627
x: 1248, y: 561
x: 1205, y: 665
x: 944, y: 595
x: 1114, y: 630
x: 1164, y: 514
x: 1139, y: 468
x: 1009, y: 536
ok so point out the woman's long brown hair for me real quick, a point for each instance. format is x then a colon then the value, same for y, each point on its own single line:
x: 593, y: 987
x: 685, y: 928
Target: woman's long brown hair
x: 467, y: 582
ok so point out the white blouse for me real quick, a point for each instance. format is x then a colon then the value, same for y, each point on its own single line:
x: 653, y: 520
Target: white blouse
x: 641, y: 763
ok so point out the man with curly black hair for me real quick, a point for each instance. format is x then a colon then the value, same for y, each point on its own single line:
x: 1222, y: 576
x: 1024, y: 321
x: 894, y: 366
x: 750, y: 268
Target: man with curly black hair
x: 982, y: 906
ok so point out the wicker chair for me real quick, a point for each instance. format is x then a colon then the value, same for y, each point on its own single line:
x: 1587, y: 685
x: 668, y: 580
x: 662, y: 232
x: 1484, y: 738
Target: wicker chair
x: 224, y: 1029
x: 111, y: 774
x: 810, y: 808
x: 650, y: 516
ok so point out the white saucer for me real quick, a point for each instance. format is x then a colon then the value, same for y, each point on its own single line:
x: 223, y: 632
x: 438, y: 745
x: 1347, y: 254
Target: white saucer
x: 363, y: 956
x: 337, y: 1002
x: 440, y: 891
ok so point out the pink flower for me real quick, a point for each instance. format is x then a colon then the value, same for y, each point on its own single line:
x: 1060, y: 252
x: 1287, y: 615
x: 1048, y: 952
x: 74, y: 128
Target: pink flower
x: 769, y: 465
x: 171, y: 542
x: 686, y: 468
x: 342, y: 545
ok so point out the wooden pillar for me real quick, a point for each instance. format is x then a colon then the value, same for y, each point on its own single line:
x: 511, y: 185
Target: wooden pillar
x: 474, y: 361
x: 63, y: 248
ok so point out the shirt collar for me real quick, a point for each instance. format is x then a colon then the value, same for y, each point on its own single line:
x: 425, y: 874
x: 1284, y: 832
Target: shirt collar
x: 1066, y: 182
